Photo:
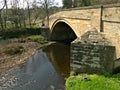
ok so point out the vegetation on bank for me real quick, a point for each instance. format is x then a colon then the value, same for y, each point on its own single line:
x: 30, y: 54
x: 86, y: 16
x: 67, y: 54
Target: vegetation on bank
x: 16, y: 51
x: 12, y: 49
x: 15, y: 47
x: 93, y: 82
x: 37, y: 38
x: 19, y: 33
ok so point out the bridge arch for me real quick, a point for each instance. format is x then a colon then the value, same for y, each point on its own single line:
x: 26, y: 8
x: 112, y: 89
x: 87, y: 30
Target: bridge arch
x: 61, y: 30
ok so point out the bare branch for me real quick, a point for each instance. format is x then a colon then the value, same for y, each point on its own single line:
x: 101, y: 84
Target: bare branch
x: 2, y: 8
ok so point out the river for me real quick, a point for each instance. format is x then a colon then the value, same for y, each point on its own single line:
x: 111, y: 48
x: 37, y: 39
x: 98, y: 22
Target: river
x: 47, y: 69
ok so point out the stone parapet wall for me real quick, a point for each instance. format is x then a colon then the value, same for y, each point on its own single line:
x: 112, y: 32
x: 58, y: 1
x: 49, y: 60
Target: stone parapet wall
x: 86, y: 58
x: 92, y: 53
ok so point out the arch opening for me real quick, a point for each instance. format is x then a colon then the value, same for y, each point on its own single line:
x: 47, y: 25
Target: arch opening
x: 62, y: 32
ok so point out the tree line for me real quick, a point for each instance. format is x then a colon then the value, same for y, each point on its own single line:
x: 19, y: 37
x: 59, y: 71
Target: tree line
x: 30, y: 14
x: 16, y: 16
x: 80, y: 3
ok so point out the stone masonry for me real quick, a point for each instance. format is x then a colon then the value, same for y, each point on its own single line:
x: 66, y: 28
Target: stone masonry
x: 104, y: 18
x: 92, y: 53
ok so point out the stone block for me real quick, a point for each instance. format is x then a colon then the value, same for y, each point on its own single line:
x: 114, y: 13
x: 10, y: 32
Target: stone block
x: 96, y: 62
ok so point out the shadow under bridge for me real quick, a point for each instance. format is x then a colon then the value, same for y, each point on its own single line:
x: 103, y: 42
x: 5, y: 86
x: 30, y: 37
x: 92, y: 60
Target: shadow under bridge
x: 62, y: 32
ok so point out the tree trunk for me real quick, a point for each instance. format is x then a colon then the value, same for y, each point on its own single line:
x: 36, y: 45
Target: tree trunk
x: 47, y: 12
x: 1, y: 22
x: 5, y: 1
x: 29, y: 15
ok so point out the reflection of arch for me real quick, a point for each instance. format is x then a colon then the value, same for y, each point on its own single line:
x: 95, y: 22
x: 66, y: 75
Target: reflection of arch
x: 62, y: 31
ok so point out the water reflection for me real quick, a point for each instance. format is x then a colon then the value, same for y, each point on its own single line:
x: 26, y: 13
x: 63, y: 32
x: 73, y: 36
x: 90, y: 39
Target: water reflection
x: 39, y: 73
x: 59, y: 55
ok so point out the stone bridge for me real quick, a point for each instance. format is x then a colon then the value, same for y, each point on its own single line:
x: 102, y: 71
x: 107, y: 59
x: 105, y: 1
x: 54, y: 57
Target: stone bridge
x: 75, y: 22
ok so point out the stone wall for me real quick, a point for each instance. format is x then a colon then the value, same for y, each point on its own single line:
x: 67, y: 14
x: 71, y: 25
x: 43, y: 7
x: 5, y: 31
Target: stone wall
x: 80, y: 20
x: 111, y: 25
x: 92, y: 58
x: 92, y: 54
x: 106, y: 19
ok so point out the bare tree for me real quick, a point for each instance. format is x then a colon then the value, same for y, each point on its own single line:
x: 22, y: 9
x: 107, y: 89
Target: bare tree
x: 1, y: 20
x: 29, y: 13
x: 17, y: 14
x: 24, y: 22
x: 2, y: 8
x: 5, y: 2
x: 15, y: 17
x: 46, y: 4
x: 37, y: 11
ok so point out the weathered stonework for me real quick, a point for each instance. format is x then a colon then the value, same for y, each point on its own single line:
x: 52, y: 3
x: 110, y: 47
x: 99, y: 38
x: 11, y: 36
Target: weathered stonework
x: 92, y: 54
x: 92, y: 58
x: 104, y: 18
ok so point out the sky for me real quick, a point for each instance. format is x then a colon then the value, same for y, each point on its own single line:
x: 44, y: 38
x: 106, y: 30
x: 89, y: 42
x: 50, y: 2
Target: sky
x: 59, y: 2
x: 21, y: 3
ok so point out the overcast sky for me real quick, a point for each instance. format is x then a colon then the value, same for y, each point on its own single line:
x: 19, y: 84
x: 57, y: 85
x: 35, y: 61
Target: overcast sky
x: 59, y: 1
x: 21, y: 2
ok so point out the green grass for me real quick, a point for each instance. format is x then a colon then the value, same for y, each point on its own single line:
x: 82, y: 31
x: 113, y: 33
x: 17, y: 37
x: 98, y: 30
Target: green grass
x: 93, y: 82
x: 37, y: 38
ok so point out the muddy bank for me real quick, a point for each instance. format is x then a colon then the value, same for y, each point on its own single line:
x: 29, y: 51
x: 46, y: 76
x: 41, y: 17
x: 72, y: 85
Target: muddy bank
x: 8, y: 61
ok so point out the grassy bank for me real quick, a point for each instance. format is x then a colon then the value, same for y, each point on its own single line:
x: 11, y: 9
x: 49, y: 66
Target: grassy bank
x: 37, y: 38
x: 93, y: 82
x: 14, y: 47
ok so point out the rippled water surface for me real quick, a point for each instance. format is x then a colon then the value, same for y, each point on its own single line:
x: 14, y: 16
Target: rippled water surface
x: 46, y: 70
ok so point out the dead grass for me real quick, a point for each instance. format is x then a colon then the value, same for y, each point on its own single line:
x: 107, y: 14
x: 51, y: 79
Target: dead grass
x: 16, y: 53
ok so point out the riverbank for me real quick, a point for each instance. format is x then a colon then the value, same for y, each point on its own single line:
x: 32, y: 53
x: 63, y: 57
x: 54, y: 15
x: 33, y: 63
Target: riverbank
x: 93, y: 82
x: 8, y: 61
x: 42, y: 71
x: 16, y: 52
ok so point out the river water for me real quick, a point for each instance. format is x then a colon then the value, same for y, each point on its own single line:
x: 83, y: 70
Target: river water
x: 45, y: 70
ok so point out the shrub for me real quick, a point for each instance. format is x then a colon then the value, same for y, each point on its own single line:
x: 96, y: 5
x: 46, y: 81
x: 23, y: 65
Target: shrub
x: 37, y: 38
x: 13, y: 49
x: 18, y: 33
